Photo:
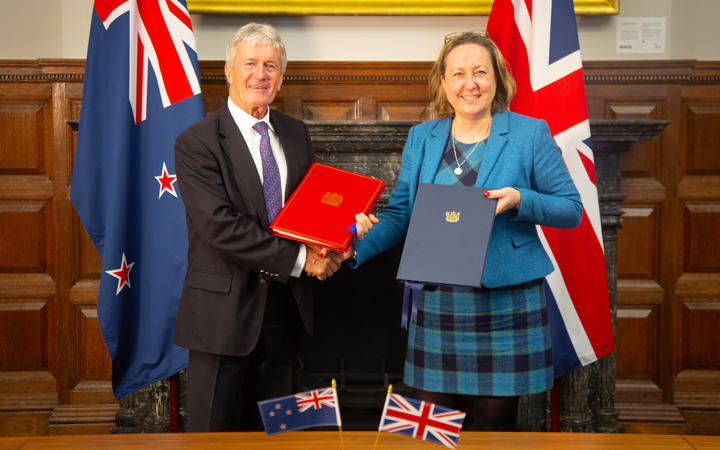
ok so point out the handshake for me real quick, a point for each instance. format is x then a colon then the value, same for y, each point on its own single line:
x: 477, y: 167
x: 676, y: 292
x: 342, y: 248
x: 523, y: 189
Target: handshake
x: 323, y: 263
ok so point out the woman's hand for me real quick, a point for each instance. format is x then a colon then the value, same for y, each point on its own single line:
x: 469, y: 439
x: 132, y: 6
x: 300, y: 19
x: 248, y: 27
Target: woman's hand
x: 507, y: 197
x: 321, y: 262
x: 363, y: 224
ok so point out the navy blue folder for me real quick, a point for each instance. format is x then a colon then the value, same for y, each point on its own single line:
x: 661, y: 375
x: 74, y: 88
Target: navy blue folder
x: 448, y: 236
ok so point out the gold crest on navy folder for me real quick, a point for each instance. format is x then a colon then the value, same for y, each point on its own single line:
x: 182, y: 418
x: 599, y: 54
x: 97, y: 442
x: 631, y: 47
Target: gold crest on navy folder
x: 452, y: 216
x: 439, y: 247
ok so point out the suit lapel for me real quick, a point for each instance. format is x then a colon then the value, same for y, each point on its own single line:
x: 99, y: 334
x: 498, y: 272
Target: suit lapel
x: 495, y: 145
x: 293, y: 154
x: 248, y: 180
x: 434, y: 150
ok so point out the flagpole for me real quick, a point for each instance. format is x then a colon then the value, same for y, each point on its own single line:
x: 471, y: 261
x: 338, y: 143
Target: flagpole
x: 342, y: 444
x: 377, y: 438
x: 174, y: 422
x: 555, y: 407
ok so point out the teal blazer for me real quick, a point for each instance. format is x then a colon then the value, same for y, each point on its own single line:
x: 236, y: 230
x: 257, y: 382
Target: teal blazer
x: 520, y: 153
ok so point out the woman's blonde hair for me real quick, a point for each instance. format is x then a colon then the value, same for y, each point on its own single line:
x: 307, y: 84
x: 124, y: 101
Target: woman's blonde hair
x: 505, y: 84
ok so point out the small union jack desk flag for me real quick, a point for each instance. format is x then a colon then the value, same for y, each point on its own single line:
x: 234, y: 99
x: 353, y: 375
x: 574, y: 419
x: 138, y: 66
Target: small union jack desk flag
x: 304, y: 410
x: 421, y: 420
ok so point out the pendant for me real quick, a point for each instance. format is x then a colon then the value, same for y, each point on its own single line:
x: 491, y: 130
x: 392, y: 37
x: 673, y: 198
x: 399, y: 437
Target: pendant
x: 457, y: 171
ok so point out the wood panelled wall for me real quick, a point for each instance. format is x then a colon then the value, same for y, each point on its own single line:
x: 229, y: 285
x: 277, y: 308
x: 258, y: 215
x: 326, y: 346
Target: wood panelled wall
x: 668, y: 353
x: 55, y: 371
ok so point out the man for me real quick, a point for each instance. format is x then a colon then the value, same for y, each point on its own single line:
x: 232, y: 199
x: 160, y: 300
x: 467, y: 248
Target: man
x: 245, y: 298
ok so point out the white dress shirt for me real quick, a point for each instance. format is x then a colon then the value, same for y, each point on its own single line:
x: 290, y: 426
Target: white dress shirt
x: 245, y: 123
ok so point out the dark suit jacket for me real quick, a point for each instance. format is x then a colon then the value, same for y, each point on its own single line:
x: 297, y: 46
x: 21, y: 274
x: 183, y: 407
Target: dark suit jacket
x: 231, y: 256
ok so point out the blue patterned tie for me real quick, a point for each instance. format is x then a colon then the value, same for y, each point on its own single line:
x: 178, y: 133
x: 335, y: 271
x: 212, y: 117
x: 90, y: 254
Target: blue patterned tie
x: 272, y: 190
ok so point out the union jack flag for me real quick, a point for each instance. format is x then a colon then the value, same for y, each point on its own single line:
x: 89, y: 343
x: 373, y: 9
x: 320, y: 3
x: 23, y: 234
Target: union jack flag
x: 159, y: 33
x: 316, y: 399
x: 539, y: 41
x: 421, y: 420
x: 140, y: 91
x: 315, y: 408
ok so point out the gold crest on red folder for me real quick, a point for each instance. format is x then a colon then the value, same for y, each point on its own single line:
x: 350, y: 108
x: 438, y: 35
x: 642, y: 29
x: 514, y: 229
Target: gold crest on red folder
x: 332, y: 199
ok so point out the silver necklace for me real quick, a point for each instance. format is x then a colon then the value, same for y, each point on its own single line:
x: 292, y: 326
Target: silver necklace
x: 458, y: 169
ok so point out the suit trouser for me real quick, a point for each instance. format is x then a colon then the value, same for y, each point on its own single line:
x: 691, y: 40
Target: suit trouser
x: 223, y: 390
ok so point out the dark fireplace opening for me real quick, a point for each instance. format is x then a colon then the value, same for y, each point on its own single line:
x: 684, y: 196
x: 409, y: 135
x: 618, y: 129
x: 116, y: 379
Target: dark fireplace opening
x: 357, y: 339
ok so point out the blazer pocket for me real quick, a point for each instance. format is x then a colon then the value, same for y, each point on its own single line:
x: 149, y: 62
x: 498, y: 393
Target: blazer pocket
x: 216, y: 282
x: 520, y: 239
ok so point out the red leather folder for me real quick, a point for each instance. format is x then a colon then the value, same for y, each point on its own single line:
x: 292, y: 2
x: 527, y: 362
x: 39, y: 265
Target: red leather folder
x: 323, y: 207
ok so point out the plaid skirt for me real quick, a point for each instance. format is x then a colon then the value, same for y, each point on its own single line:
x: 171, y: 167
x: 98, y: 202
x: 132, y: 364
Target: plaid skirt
x: 492, y: 342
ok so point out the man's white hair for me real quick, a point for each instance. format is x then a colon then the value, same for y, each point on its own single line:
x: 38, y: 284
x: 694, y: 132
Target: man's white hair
x: 256, y: 33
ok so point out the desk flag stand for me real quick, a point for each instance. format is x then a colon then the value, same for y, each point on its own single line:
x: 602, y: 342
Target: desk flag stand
x: 377, y: 438
x: 342, y: 444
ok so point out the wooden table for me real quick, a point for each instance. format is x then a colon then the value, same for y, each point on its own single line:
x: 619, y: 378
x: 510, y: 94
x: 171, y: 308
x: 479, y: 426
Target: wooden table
x: 355, y: 440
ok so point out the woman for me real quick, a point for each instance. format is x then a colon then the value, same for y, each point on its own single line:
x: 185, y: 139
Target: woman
x: 477, y: 350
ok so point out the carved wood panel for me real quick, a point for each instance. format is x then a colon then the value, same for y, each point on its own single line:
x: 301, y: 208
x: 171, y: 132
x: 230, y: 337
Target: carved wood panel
x: 24, y: 335
x: 643, y: 159
x: 24, y: 237
x: 701, y: 249
x: 27, y: 264
x: 637, y: 242
x: 697, y: 382
x: 331, y: 110
x: 640, y: 312
x: 701, y: 156
x: 637, y: 369
x: 701, y: 318
x: 24, y: 123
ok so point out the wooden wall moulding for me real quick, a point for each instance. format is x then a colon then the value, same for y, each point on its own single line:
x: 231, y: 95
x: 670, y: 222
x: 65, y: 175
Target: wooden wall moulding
x: 686, y: 72
x: 689, y: 72
x: 668, y: 289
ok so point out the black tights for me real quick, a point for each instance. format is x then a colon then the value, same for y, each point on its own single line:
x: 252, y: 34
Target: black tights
x: 483, y: 413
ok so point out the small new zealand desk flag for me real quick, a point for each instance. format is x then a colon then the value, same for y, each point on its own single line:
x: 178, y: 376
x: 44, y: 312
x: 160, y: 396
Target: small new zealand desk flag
x: 304, y: 410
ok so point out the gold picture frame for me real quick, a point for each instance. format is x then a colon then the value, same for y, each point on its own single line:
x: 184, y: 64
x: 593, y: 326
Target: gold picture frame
x: 373, y: 7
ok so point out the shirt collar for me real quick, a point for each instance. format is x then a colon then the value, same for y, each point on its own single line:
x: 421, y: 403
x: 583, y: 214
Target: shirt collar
x: 245, y: 121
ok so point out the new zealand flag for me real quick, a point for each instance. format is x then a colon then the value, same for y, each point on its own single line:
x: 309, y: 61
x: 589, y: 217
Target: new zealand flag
x: 303, y: 410
x: 141, y: 90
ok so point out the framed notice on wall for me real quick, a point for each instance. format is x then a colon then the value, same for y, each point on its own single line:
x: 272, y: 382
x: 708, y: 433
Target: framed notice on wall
x: 374, y: 8
x: 641, y: 34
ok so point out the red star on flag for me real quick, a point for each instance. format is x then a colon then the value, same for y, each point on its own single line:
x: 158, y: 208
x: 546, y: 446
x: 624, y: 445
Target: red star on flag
x: 166, y: 181
x: 122, y: 274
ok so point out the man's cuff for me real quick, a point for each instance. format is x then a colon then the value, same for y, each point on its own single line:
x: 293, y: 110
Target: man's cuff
x: 299, y: 262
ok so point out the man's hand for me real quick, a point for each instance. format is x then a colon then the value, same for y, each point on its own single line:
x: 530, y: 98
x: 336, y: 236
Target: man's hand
x: 321, y: 262
x: 507, y: 198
